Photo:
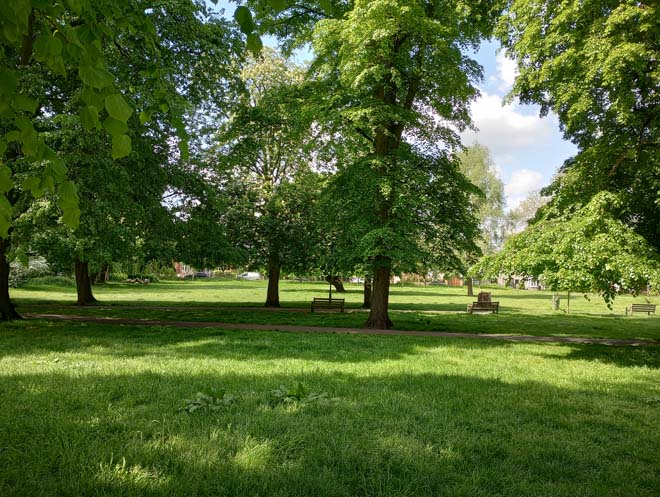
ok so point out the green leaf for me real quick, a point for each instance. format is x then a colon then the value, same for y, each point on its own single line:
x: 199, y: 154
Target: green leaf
x: 5, y: 216
x: 6, y: 183
x: 145, y: 117
x: 114, y: 127
x: 96, y: 77
x: 75, y: 5
x: 278, y: 5
x: 8, y: 81
x: 13, y: 136
x: 48, y: 47
x: 184, y: 150
x: 326, y: 5
x: 56, y: 167
x: 3, y: 147
x: 32, y: 184
x: 117, y: 107
x: 71, y: 217
x: 254, y: 43
x: 243, y: 17
x: 23, y: 102
x: 121, y: 146
x: 89, y: 118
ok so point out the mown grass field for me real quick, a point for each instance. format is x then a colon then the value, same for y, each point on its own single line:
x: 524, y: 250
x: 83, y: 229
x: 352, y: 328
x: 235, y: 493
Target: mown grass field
x: 94, y: 409
x: 413, y: 308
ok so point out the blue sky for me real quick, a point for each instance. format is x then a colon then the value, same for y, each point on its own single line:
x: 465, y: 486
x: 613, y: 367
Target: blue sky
x: 527, y: 150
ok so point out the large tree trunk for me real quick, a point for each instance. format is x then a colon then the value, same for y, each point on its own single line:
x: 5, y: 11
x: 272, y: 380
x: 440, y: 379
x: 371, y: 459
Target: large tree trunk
x: 7, y: 309
x: 273, y: 293
x: 380, y: 295
x: 469, y: 285
x: 337, y: 283
x: 83, y: 283
x: 366, y: 301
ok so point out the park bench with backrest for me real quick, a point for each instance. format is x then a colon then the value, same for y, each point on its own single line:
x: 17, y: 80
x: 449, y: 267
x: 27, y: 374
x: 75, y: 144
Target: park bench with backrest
x: 483, y: 307
x: 323, y: 303
x: 647, y: 308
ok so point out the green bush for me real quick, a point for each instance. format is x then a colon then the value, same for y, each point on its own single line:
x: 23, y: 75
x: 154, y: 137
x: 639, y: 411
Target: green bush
x: 117, y: 276
x: 20, y: 274
x: 52, y: 281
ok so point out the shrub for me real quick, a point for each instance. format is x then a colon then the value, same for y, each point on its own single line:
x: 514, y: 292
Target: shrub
x: 20, y: 274
x: 117, y: 276
x: 52, y: 281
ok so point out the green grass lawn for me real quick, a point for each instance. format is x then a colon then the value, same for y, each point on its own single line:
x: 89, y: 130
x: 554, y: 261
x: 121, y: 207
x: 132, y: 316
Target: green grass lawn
x: 93, y: 410
x: 413, y: 308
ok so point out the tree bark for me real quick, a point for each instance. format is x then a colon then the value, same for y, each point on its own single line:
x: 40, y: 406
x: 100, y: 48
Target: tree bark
x: 366, y: 302
x: 101, y: 276
x: 273, y: 292
x: 380, y: 295
x: 7, y: 309
x: 83, y: 283
x: 337, y: 283
x: 469, y: 287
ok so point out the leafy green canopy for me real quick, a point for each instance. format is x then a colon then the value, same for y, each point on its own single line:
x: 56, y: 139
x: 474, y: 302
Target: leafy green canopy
x: 596, y: 65
x: 72, y: 37
x: 417, y: 235
x: 478, y: 166
x: 590, y: 250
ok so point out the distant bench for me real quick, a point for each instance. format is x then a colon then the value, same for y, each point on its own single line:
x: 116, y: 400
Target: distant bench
x: 647, y: 308
x: 325, y: 303
x: 483, y: 307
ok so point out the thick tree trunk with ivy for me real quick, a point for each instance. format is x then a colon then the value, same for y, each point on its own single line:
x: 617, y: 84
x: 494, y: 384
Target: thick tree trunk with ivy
x: 366, y: 301
x: 273, y: 292
x: 7, y: 309
x: 337, y: 283
x: 470, y: 289
x: 83, y: 283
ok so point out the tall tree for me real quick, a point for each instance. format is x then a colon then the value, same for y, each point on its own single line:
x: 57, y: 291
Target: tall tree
x: 592, y: 251
x: 261, y: 158
x: 402, y: 65
x: 478, y: 166
x: 595, y: 65
x: 517, y: 219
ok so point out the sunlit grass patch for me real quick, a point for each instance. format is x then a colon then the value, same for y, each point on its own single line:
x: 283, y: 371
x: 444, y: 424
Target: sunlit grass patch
x: 95, y: 410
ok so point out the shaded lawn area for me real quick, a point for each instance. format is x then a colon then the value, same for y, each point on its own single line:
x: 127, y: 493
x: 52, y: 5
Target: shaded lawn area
x: 636, y: 327
x: 92, y: 410
x: 203, y: 293
x: 521, y: 312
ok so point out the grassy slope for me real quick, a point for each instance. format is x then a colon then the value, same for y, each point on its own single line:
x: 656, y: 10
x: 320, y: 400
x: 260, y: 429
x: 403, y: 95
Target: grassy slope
x: 522, y: 312
x: 92, y: 410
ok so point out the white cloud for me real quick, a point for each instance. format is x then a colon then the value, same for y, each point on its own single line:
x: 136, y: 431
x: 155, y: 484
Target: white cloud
x: 504, y: 129
x: 506, y: 71
x: 520, y: 185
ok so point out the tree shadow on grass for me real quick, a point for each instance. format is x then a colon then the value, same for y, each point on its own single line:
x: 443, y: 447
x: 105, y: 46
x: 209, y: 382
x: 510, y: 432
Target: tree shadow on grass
x: 389, y: 434
x: 127, y: 341
x: 627, y: 357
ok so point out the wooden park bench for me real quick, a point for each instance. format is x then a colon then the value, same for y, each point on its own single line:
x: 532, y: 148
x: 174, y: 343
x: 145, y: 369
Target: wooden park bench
x: 327, y: 304
x: 483, y: 307
x: 647, y: 308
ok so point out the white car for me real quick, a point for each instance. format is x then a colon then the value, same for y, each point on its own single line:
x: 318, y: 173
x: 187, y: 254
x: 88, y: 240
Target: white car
x: 249, y: 276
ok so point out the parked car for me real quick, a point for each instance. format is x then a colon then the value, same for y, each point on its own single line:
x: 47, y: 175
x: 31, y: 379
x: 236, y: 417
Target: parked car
x: 249, y: 276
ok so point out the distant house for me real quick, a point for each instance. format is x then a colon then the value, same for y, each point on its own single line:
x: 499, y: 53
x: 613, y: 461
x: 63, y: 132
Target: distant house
x: 517, y: 281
